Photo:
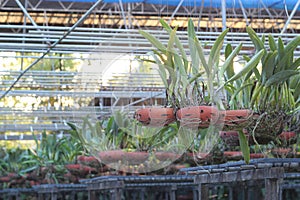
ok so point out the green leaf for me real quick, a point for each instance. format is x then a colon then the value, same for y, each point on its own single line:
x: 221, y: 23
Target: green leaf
x: 229, y: 69
x: 255, y: 93
x: 202, y: 56
x: 256, y: 73
x: 259, y: 45
x: 268, y: 66
x: 249, y: 66
x: 229, y: 60
x: 287, y: 54
x: 183, y: 75
x: 297, y: 93
x: 272, y: 43
x: 153, y: 40
x: 292, y: 45
x: 72, y: 126
x: 179, y: 45
x: 240, y: 89
x: 170, y: 49
x: 285, y: 62
x: 295, y: 80
x: 295, y: 64
x: 192, y: 45
x: 280, y: 77
x: 280, y: 47
x: 195, y: 77
x: 215, y: 51
x: 244, y: 146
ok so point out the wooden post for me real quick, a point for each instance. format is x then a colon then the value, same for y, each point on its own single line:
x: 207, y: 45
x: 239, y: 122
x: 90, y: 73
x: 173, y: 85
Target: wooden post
x: 54, y: 196
x: 173, y: 192
x: 203, y: 192
x: 115, y: 194
x: 92, y: 194
x: 272, y: 189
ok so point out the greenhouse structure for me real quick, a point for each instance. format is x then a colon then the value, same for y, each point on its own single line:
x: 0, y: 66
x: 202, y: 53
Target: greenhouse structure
x: 150, y: 99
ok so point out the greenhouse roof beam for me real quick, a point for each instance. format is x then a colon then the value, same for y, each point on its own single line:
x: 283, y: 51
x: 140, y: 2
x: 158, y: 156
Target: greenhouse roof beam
x: 51, y: 47
x: 290, y: 17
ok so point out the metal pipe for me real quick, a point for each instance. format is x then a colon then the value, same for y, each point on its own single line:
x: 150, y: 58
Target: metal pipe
x: 175, y: 11
x: 244, y: 12
x: 51, y: 47
x: 224, y: 15
x: 26, y: 13
x: 290, y: 17
x: 123, y: 14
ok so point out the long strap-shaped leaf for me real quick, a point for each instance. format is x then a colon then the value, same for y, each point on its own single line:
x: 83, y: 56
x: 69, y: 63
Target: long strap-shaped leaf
x: 202, y: 56
x: 192, y: 45
x: 272, y: 43
x: 179, y: 45
x: 269, y: 66
x: 154, y: 41
x: 170, y: 50
x: 229, y: 70
x: 281, y: 77
x: 214, y: 54
x: 259, y: 45
x: 244, y: 146
x: 248, y: 67
x: 242, y: 88
x: 287, y: 54
x: 230, y: 58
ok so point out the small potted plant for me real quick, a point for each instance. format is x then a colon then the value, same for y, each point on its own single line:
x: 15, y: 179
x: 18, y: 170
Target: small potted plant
x: 266, y: 89
x: 196, y: 103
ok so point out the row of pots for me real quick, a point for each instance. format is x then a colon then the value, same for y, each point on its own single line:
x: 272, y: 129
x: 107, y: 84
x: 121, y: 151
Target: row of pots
x: 192, y: 116
x: 231, y: 137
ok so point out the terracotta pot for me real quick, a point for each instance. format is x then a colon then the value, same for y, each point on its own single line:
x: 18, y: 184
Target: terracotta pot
x: 287, y: 135
x: 235, y: 118
x: 115, y: 156
x: 197, y: 157
x: 197, y: 116
x: 257, y: 155
x: 235, y: 155
x: 282, y: 152
x: 231, y: 138
x: 80, y: 170
x: 89, y: 161
x: 70, y: 178
x: 167, y: 156
x: 5, y: 179
x: 155, y: 116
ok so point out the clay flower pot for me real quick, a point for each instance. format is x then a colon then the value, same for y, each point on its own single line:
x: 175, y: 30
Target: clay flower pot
x: 282, y: 152
x: 197, y: 156
x: 257, y: 155
x: 80, y: 170
x: 287, y: 136
x: 115, y: 156
x: 233, y: 155
x: 5, y: 179
x: 89, y: 161
x: 235, y: 118
x: 237, y: 155
x: 197, y: 116
x: 167, y: 156
x: 231, y: 138
x: 155, y: 116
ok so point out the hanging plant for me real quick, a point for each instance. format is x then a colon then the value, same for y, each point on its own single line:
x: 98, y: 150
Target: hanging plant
x: 155, y: 116
x: 267, y: 89
x: 184, y: 76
